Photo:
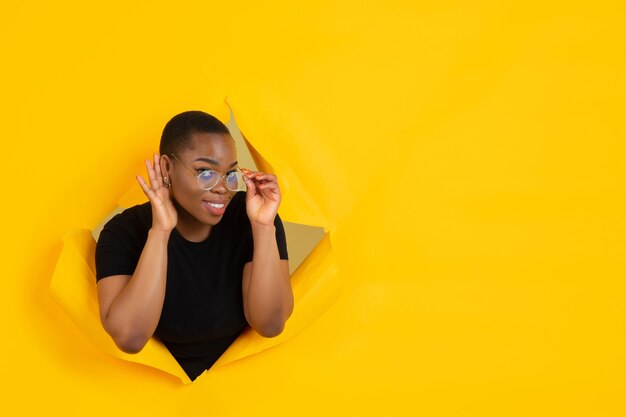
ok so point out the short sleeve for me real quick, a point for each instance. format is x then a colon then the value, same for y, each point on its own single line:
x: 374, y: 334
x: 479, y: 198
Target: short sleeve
x: 281, y: 239
x: 281, y: 242
x: 120, y: 244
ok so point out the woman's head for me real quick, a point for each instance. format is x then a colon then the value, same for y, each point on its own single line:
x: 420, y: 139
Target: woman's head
x: 193, y: 142
x: 177, y: 132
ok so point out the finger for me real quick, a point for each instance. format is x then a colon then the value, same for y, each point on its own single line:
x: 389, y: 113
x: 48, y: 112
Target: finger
x: 154, y: 183
x: 258, y: 181
x: 270, y: 186
x: 146, y: 190
x: 270, y: 190
x: 152, y: 196
x: 265, y: 177
x: 247, y: 174
x: 259, y: 177
x: 157, y: 168
x: 250, y: 187
x: 251, y: 174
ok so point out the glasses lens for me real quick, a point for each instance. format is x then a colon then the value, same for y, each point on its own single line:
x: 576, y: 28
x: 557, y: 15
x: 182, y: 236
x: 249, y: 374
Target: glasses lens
x: 208, y: 179
x: 234, y: 181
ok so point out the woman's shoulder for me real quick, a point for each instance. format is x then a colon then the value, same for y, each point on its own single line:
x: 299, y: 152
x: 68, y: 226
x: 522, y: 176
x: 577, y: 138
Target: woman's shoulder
x: 235, y: 215
x: 239, y: 198
x: 121, y: 241
x: 133, y: 219
x: 237, y: 204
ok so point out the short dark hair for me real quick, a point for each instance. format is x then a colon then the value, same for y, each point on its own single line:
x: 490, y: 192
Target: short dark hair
x: 177, y: 132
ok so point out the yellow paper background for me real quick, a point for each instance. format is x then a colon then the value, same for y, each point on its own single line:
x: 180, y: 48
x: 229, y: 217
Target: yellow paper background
x: 468, y: 157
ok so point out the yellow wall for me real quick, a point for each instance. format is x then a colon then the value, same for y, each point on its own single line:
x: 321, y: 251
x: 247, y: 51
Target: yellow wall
x: 469, y: 160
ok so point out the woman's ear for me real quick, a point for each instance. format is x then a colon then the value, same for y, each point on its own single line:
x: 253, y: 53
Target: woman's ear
x: 166, y: 166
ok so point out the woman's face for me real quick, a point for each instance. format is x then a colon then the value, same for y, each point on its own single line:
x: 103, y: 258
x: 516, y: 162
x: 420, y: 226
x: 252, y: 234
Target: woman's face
x: 214, y: 151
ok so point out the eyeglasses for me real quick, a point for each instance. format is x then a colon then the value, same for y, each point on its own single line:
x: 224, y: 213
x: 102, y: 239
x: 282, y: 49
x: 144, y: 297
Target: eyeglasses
x: 208, y: 178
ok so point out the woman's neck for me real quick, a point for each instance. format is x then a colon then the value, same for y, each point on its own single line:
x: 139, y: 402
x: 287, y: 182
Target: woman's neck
x: 190, y: 228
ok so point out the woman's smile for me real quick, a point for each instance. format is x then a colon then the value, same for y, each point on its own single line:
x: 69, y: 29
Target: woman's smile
x: 215, y: 207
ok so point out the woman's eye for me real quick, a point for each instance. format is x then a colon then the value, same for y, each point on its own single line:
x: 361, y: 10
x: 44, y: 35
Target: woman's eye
x: 207, y: 174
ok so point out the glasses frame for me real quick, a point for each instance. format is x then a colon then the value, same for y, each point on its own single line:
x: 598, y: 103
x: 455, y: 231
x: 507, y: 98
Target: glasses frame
x: 221, y: 178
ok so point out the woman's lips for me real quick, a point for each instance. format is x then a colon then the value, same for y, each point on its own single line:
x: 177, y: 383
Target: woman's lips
x: 217, y: 208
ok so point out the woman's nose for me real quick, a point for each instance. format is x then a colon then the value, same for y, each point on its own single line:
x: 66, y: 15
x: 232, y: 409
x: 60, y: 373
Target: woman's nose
x: 220, y: 187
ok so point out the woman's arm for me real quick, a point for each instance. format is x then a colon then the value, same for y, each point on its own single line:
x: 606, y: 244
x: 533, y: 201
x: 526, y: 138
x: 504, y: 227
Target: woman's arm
x: 268, y: 298
x: 130, y: 306
x: 267, y: 294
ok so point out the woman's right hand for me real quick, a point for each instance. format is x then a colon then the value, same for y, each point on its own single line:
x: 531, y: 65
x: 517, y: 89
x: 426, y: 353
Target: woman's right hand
x: 164, y: 215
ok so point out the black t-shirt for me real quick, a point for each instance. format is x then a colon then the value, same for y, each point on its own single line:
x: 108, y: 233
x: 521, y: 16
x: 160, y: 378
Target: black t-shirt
x: 203, y: 307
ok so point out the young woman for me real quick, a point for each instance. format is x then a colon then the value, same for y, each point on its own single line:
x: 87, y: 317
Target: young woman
x: 201, y: 260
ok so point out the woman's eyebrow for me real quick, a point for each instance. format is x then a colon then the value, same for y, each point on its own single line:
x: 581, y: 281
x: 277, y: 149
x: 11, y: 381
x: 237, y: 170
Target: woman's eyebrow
x: 214, y: 162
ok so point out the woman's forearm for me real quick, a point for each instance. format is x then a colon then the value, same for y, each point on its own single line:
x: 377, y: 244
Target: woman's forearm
x: 269, y: 298
x: 135, y: 312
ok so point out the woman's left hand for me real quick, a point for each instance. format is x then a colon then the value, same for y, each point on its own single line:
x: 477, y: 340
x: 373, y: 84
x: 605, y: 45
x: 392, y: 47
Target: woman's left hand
x: 262, y: 198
